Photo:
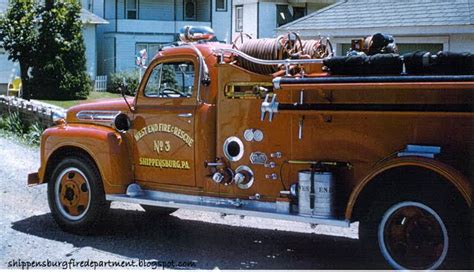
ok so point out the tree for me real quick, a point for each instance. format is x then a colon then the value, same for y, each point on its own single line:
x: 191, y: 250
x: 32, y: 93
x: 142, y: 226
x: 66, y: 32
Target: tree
x: 60, y: 68
x: 47, y: 40
x: 19, y: 27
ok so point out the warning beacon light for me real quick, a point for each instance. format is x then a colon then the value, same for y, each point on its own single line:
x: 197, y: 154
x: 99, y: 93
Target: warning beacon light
x: 195, y: 33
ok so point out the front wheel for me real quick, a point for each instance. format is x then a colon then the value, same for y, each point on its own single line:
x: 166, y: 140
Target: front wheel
x: 412, y: 233
x: 76, y: 195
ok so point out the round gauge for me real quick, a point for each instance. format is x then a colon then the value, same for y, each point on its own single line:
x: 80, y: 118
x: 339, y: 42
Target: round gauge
x: 258, y: 135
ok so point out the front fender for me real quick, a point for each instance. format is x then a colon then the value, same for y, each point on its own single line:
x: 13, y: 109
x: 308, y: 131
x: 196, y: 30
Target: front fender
x: 109, y: 150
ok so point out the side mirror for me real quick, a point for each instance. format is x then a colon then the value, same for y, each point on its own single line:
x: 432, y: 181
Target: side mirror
x: 123, y: 91
x: 122, y: 123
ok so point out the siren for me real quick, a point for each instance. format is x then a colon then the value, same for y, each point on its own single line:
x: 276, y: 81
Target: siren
x: 195, y: 33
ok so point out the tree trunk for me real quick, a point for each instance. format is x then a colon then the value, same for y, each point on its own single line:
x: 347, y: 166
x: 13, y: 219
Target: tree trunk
x: 26, y: 94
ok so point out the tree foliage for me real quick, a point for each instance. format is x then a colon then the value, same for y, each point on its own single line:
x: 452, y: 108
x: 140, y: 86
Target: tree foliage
x: 20, y: 31
x: 60, y: 69
x: 53, y: 47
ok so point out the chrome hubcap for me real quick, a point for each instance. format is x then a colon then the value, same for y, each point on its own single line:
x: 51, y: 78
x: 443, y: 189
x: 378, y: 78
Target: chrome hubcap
x: 72, y: 193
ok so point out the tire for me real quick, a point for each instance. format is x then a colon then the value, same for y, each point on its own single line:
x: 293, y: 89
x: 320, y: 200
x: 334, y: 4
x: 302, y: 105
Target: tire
x: 76, y: 195
x: 414, y: 232
x: 154, y: 211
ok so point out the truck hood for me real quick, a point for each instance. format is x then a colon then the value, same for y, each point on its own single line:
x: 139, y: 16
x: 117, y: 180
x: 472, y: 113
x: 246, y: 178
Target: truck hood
x: 95, y: 112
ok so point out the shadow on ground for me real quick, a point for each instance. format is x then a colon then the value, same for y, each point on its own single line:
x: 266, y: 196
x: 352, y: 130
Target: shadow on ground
x: 134, y: 235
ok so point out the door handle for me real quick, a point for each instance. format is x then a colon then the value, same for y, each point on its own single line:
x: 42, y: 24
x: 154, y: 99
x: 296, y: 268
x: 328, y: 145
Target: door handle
x: 185, y: 115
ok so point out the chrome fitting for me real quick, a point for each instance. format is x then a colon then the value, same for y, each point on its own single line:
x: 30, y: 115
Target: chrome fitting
x: 270, y: 165
x: 276, y: 155
x: 217, y: 177
x: 271, y: 176
x: 270, y: 106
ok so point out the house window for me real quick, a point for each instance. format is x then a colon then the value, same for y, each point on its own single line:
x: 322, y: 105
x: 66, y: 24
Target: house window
x: 239, y: 18
x: 190, y: 10
x: 221, y: 5
x: 410, y: 47
x: 286, y: 14
x: 151, y: 50
x: 298, y: 12
x: 405, y: 47
x: 283, y: 15
x: 131, y: 9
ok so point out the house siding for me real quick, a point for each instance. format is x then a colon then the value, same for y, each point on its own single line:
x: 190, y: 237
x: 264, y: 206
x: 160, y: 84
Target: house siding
x: 158, y: 22
x: 156, y: 10
x: 250, y: 19
x: 8, y: 70
x: 221, y: 22
x: 203, y: 10
x: 260, y: 16
x: 462, y: 43
x: 120, y: 50
x: 109, y: 7
x: 267, y: 17
x: 120, y: 9
x: 108, y: 60
x: 88, y: 33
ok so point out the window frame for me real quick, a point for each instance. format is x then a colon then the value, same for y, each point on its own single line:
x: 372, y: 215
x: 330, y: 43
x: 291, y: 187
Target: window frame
x: 224, y: 9
x: 155, y: 64
x: 128, y: 9
x: 239, y: 27
x: 185, y: 18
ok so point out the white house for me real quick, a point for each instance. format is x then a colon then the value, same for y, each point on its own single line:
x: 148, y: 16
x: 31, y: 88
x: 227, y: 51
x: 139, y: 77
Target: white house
x: 430, y: 25
x: 260, y: 18
x: 9, y: 69
x: 147, y: 24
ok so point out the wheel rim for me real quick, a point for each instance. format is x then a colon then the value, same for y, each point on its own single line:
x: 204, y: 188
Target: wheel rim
x: 72, y: 193
x: 413, y: 236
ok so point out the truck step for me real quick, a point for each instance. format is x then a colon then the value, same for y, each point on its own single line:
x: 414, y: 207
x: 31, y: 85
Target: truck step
x: 221, y: 205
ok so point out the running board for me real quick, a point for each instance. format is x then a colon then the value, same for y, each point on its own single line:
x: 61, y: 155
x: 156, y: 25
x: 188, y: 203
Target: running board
x: 221, y: 205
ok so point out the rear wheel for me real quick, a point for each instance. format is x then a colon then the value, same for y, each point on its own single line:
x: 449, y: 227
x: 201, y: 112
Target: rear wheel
x: 412, y: 235
x: 76, y: 195
x: 411, y: 232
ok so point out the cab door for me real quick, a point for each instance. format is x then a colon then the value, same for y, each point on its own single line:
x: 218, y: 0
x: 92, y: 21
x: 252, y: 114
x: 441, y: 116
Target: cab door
x: 163, y: 125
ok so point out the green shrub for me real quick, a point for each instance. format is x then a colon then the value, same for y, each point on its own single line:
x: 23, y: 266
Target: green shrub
x: 34, y: 133
x: 132, y: 79
x: 13, y: 123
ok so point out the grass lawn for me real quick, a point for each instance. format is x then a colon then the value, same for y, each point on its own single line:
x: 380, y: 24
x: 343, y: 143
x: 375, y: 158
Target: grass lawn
x: 92, y: 96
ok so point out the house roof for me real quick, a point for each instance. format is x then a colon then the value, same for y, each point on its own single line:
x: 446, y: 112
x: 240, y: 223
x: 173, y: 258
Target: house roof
x: 352, y: 14
x: 88, y: 17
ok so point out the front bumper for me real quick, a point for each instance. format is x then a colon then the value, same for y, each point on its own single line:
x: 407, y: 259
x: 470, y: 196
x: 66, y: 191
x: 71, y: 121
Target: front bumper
x: 33, y: 179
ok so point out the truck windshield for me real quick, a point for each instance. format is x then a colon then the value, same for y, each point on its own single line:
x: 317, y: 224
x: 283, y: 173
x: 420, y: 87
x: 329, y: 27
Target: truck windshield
x: 171, y: 80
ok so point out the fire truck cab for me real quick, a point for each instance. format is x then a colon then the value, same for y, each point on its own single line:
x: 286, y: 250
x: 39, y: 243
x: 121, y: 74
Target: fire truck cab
x: 210, y: 129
